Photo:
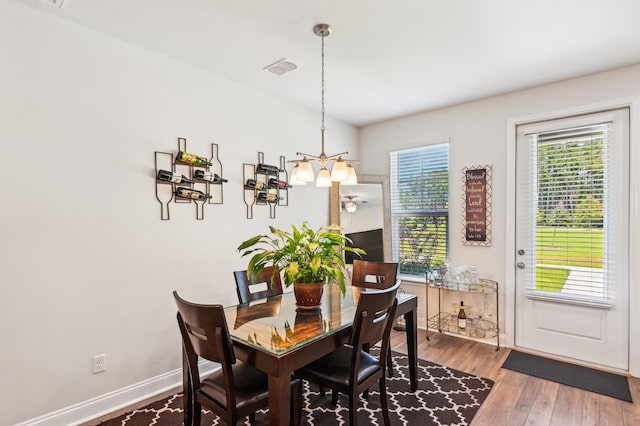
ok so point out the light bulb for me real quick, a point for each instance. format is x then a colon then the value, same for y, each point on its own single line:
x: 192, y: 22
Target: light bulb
x: 339, y: 173
x: 295, y: 177
x: 350, y: 206
x: 324, y: 178
x: 305, y: 171
x: 352, y: 178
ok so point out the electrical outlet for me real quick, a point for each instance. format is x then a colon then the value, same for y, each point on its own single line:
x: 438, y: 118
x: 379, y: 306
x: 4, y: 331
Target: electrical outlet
x: 99, y: 363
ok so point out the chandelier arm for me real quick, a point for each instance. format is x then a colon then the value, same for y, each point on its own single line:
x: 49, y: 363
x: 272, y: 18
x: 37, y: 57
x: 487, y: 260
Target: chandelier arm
x: 308, y: 157
x: 335, y: 157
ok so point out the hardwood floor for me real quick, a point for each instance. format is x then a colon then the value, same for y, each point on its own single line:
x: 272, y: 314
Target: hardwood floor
x: 516, y: 399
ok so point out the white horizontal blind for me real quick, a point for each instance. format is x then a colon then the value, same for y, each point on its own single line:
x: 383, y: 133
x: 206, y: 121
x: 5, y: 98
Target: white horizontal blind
x: 571, y: 200
x: 420, y: 207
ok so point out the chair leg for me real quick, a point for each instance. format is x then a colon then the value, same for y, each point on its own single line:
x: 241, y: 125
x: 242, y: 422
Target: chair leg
x: 197, y: 413
x: 389, y: 363
x: 334, y: 396
x: 353, y: 408
x: 383, y: 401
x: 322, y: 392
x: 252, y: 418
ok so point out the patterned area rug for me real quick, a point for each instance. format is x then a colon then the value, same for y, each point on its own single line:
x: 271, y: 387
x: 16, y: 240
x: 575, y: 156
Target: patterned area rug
x: 444, y: 397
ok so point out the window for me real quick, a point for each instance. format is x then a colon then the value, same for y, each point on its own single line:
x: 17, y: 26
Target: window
x: 575, y: 191
x: 420, y: 208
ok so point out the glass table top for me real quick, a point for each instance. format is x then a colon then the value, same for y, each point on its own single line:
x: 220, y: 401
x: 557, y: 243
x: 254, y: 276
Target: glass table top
x: 278, y: 326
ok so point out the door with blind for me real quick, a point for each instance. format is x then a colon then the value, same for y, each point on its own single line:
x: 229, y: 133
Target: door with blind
x: 572, y: 283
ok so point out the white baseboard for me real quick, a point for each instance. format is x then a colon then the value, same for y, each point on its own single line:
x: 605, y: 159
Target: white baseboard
x: 112, y: 401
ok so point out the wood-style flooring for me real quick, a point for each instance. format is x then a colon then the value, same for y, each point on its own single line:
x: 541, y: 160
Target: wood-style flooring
x: 519, y: 399
x: 516, y: 399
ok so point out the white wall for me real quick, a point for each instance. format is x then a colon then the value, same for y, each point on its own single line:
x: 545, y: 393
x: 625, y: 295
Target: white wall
x: 87, y: 265
x: 478, y: 135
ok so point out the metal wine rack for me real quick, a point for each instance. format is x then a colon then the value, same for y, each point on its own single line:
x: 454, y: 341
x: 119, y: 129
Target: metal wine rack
x: 250, y: 171
x: 477, y: 327
x: 165, y: 191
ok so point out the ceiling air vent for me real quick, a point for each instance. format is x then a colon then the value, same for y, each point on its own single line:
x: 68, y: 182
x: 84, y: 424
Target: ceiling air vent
x: 281, y: 67
x: 57, y: 3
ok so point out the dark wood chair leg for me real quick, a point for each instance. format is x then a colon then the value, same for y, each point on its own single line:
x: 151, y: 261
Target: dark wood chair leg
x: 389, y: 363
x: 353, y: 408
x: 196, y: 415
x: 383, y: 401
x: 334, y: 396
x: 252, y: 418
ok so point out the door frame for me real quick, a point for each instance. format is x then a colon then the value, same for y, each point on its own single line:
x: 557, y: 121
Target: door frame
x: 633, y: 104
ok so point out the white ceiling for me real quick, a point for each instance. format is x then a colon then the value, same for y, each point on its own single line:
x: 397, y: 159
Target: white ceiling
x: 384, y: 58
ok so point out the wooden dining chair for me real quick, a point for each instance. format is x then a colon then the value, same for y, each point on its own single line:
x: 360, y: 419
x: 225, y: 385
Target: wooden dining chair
x: 244, y: 284
x: 378, y: 275
x: 369, y: 274
x: 234, y: 391
x: 350, y: 369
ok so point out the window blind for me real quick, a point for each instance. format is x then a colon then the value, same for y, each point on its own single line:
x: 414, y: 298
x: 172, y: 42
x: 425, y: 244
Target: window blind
x: 420, y: 207
x: 572, y: 199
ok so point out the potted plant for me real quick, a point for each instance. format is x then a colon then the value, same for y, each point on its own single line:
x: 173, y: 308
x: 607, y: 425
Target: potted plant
x: 308, y: 259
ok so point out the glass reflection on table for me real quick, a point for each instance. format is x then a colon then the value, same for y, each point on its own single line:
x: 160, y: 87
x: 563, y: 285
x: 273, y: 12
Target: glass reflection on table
x: 278, y: 326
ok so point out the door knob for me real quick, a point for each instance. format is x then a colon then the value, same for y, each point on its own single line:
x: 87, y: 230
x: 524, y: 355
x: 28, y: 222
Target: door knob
x: 520, y: 265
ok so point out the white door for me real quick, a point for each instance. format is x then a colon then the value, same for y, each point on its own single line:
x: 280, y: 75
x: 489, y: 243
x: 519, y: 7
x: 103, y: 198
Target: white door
x: 572, y: 281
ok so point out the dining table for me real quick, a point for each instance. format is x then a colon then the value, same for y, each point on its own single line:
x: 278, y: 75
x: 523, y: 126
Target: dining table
x: 278, y: 337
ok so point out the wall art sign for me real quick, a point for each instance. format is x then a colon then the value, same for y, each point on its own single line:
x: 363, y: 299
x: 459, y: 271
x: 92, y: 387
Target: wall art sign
x: 476, y: 205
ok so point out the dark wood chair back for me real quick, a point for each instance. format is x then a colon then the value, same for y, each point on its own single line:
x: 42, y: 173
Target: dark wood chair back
x: 235, y: 391
x: 379, y: 275
x: 373, y: 320
x: 244, y: 283
x: 350, y: 369
x: 205, y: 334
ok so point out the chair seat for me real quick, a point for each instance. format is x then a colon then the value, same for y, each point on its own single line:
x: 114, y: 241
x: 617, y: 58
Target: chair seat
x: 335, y: 368
x: 251, y: 385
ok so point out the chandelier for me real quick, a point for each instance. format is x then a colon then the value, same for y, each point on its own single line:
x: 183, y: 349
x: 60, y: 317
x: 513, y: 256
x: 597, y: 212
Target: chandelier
x: 342, y: 170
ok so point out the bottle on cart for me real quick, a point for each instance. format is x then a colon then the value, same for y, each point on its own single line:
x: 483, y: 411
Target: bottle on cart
x: 265, y: 196
x: 208, y: 176
x: 267, y: 169
x: 275, y: 183
x: 191, y: 193
x: 254, y: 184
x: 462, y: 317
x: 168, y: 176
x: 194, y: 160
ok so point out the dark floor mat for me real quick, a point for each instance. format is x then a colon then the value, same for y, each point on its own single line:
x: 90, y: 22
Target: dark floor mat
x: 590, y: 379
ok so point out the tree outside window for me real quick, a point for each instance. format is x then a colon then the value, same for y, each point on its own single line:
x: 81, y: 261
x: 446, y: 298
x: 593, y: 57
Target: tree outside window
x: 420, y: 208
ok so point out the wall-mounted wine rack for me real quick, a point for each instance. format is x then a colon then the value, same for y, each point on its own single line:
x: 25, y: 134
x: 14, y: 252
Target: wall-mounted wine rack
x: 260, y: 189
x: 204, y: 185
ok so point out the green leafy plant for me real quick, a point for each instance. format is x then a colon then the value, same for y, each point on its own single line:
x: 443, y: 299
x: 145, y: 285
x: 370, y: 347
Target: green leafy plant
x: 304, y: 255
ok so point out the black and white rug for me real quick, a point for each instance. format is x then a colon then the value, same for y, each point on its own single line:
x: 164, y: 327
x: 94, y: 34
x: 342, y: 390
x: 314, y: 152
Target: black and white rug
x: 444, y: 397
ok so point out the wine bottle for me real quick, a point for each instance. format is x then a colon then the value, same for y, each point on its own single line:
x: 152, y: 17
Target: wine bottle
x: 265, y: 196
x: 168, y: 176
x: 194, y: 160
x: 267, y: 169
x: 252, y: 183
x: 462, y: 317
x: 191, y: 193
x: 275, y: 183
x: 208, y: 176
